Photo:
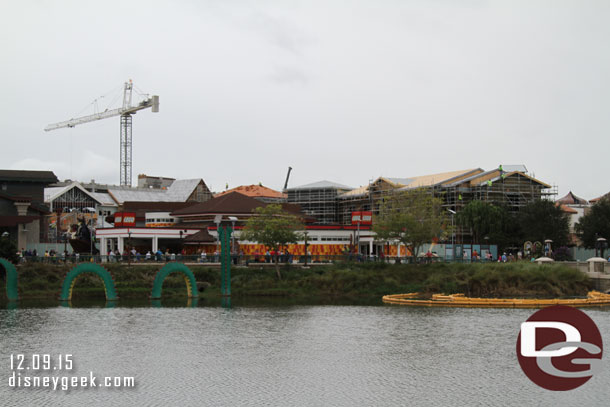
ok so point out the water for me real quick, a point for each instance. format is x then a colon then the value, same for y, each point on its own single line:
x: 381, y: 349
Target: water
x: 287, y: 355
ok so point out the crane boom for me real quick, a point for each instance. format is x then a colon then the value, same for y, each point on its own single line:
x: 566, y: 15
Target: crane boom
x: 125, y: 112
x: 102, y: 115
x: 287, y: 176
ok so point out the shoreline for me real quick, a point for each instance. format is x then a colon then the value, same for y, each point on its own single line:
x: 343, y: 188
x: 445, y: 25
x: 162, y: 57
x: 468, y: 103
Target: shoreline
x: 344, y: 282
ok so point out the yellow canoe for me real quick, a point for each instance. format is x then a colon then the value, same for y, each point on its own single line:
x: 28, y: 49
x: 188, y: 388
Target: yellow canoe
x: 594, y: 298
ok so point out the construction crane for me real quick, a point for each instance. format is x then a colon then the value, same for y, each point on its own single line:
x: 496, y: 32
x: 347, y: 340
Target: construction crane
x: 125, y: 112
x: 287, y: 177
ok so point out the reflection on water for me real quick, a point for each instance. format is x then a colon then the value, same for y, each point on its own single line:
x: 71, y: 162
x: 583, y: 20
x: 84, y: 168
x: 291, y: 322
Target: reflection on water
x: 190, y: 303
x: 264, y: 354
x: 177, y: 302
x: 226, y: 302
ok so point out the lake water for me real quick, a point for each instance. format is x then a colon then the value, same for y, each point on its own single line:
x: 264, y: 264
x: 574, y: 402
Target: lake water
x: 286, y: 355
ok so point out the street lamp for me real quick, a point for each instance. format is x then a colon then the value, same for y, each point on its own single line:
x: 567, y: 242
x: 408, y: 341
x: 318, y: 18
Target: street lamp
x: 217, y: 220
x: 358, y: 237
x: 452, y: 212
x: 128, y: 247
x: 305, y: 234
x: 601, y: 244
x: 182, y: 251
x: 65, y: 237
x: 233, y: 219
x: 91, y: 242
x: 548, y: 250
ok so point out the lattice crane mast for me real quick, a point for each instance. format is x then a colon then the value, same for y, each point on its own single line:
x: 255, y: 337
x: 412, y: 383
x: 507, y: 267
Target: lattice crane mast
x: 125, y: 112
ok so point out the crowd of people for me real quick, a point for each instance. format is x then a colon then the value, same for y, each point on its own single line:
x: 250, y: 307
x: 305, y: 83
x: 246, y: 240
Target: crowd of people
x: 49, y: 256
x: 269, y: 256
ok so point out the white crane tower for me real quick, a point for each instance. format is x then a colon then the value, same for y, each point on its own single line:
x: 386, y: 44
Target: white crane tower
x: 125, y: 112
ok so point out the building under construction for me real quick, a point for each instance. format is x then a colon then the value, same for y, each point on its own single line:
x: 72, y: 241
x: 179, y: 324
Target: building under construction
x: 319, y: 200
x: 510, y: 186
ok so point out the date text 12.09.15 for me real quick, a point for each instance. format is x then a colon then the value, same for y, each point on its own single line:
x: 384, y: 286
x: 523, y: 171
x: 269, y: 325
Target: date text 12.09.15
x: 42, y: 361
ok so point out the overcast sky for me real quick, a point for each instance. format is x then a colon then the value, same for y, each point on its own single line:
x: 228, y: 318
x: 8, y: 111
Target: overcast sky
x: 340, y: 90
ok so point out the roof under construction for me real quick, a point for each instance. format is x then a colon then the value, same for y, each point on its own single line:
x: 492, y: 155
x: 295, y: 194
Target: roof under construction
x: 321, y: 185
x: 508, y: 185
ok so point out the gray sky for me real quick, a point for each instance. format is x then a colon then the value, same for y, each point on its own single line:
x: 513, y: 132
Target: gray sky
x: 339, y: 90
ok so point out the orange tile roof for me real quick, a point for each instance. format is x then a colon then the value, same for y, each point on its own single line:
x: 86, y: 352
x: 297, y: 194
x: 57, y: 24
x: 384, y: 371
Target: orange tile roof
x: 254, y: 191
x: 566, y: 209
x: 595, y: 200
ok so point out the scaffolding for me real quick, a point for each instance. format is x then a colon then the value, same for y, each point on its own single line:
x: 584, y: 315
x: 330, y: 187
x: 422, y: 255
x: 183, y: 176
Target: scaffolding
x: 319, y: 203
x: 330, y: 204
x: 512, y: 190
x: 73, y: 200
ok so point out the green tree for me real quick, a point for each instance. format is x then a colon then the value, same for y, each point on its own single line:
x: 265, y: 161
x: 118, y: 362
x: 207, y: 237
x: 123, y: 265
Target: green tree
x: 272, y: 226
x: 595, y: 223
x: 8, y: 250
x: 412, y: 217
x: 541, y: 220
x: 482, y: 219
x: 508, y: 234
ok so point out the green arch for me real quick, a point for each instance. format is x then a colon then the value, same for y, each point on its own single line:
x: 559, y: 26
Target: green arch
x: 68, y: 285
x: 11, y: 279
x: 189, y: 279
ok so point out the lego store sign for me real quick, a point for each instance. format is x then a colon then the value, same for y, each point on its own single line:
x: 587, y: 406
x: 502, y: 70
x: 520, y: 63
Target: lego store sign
x: 124, y: 219
x: 362, y: 218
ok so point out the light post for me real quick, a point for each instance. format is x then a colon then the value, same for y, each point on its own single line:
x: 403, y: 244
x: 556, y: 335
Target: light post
x: 128, y: 247
x: 452, y: 212
x: 65, y: 236
x: 217, y: 220
x: 182, y: 251
x: 305, y: 235
x: 358, y: 237
x: 601, y: 244
x: 57, y: 223
x: 181, y: 232
x: 233, y: 219
x: 548, y: 249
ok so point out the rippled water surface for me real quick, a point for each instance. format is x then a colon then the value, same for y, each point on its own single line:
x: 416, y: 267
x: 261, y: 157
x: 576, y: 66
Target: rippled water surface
x: 296, y: 355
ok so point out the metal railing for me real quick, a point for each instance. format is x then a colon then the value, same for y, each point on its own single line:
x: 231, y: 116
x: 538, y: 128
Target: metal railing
x: 238, y: 259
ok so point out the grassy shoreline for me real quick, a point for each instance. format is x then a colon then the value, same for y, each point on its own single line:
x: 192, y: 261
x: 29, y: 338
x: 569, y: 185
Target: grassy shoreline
x: 344, y: 282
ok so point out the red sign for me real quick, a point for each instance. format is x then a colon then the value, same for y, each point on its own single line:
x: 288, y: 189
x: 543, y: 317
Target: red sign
x: 362, y: 218
x: 124, y: 219
x: 129, y: 218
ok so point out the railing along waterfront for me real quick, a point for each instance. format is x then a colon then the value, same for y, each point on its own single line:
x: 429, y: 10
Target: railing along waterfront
x: 237, y: 259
